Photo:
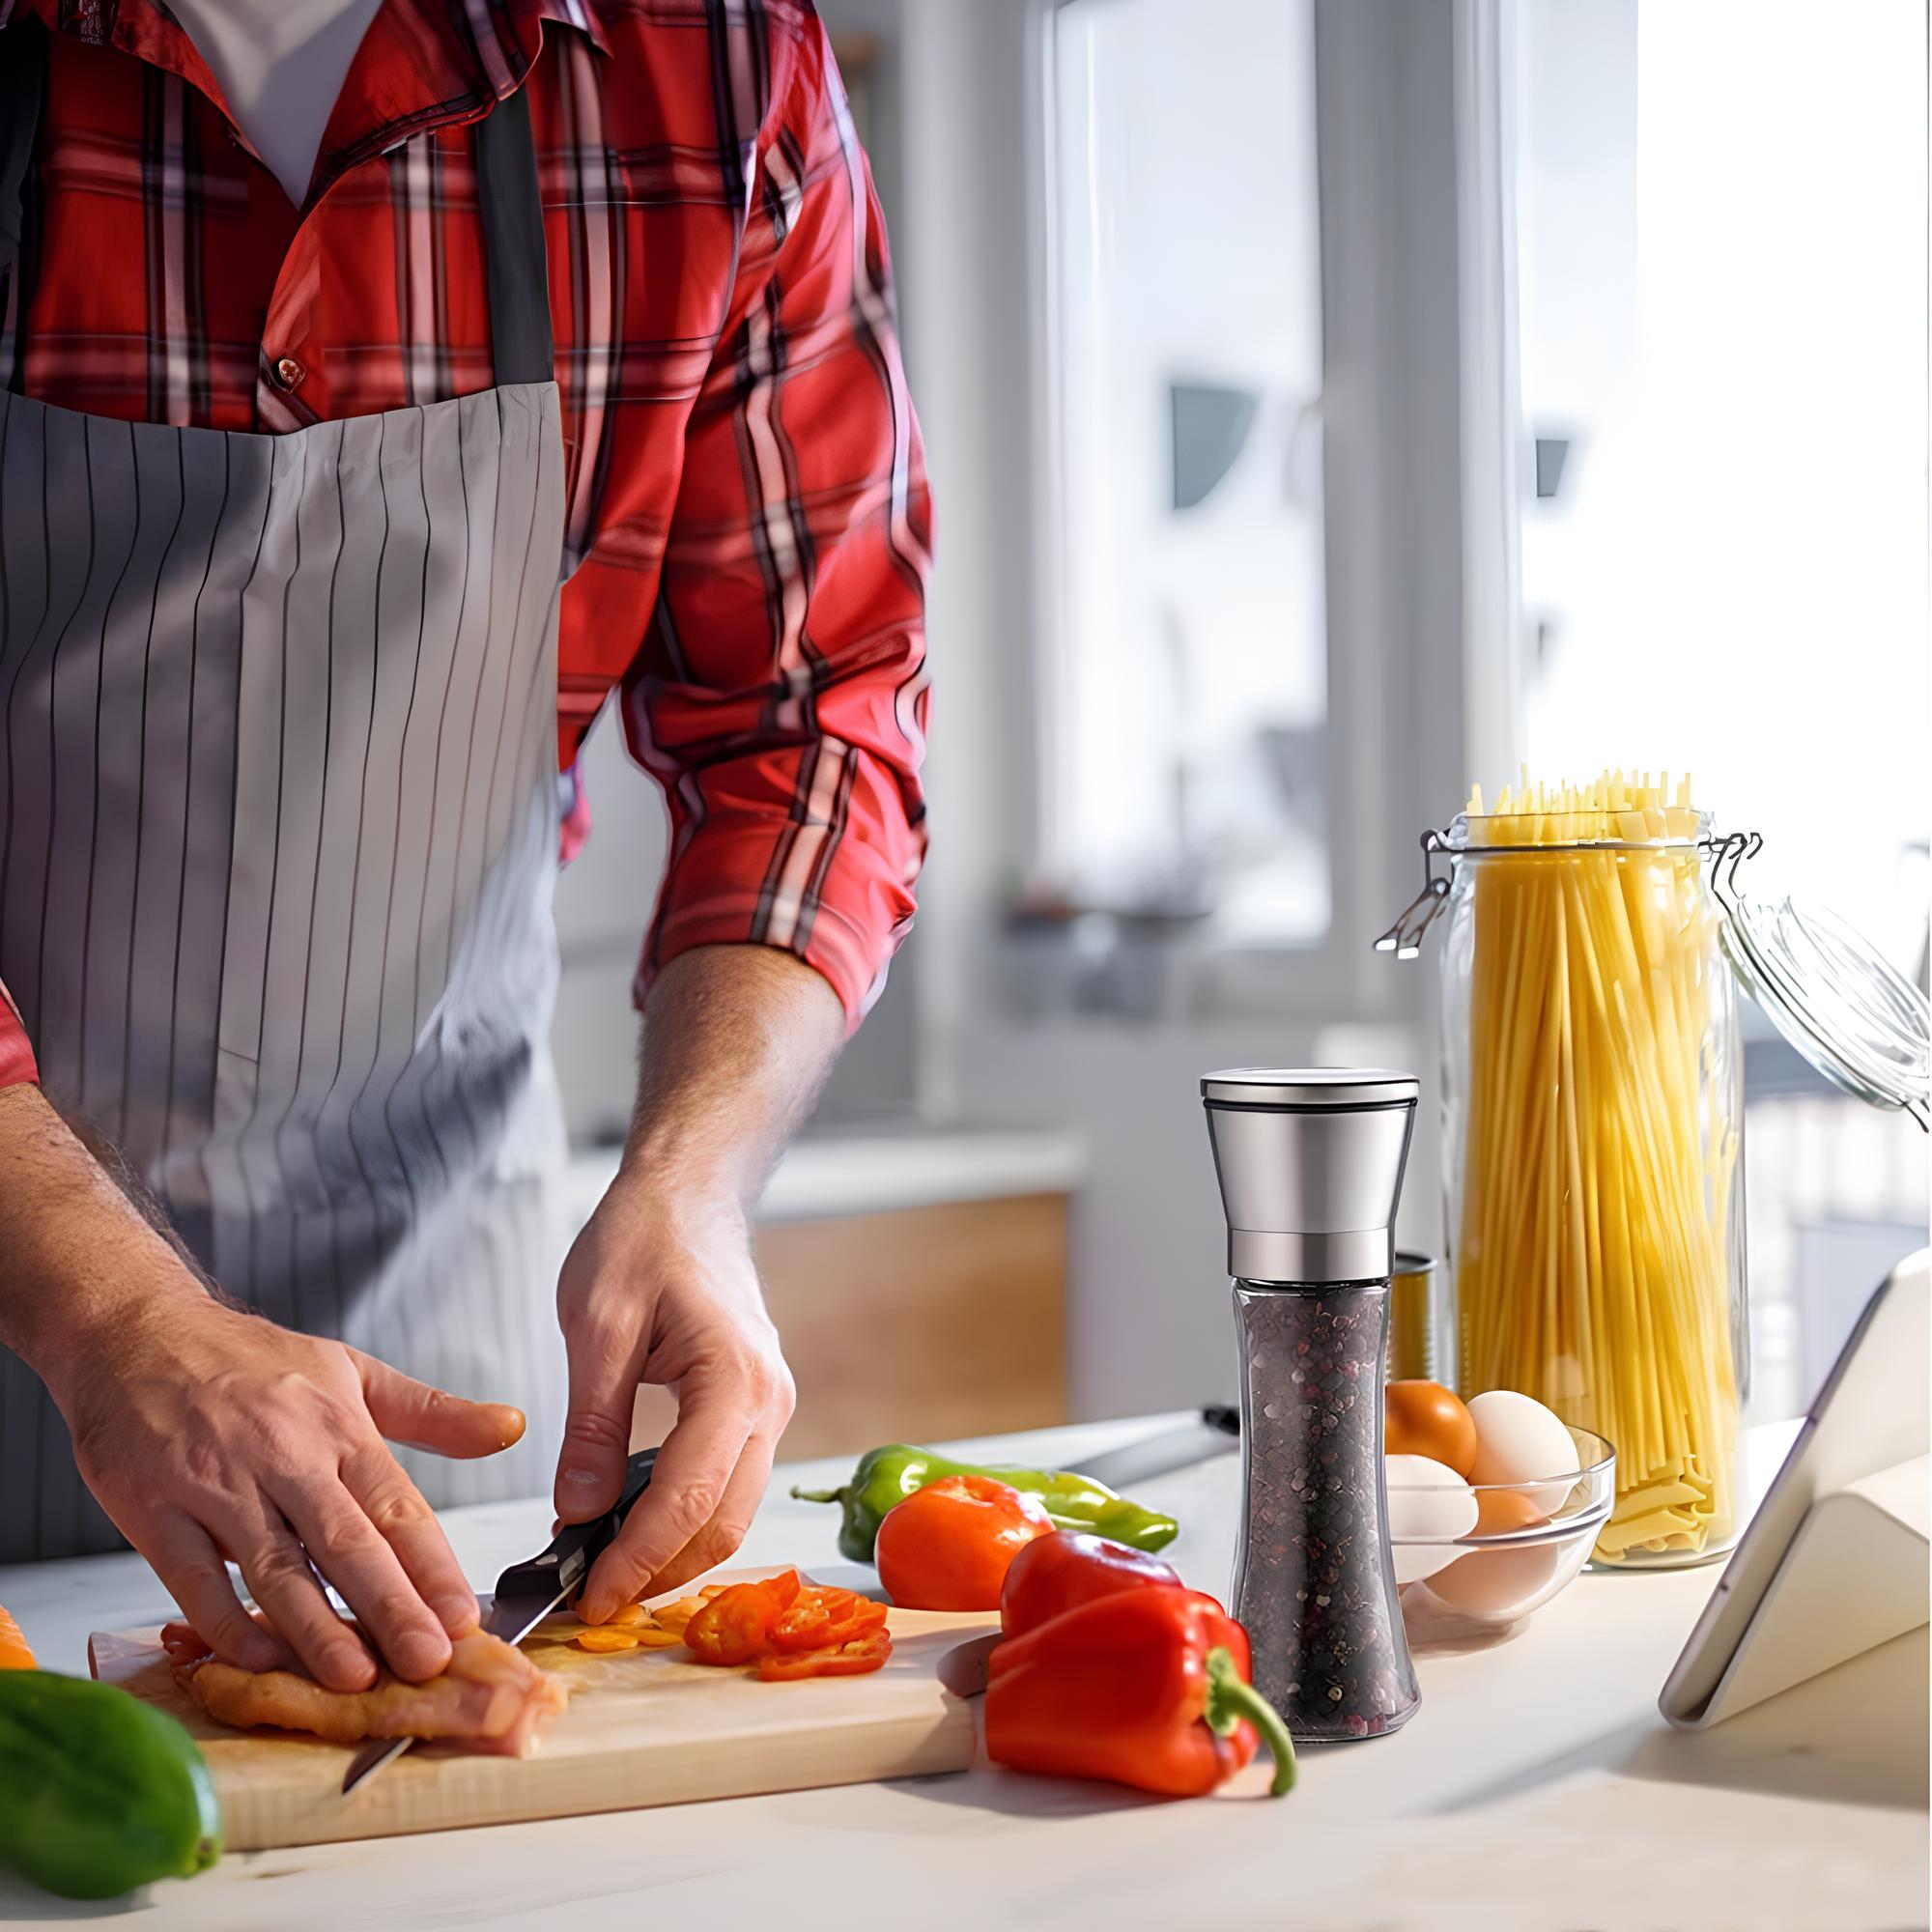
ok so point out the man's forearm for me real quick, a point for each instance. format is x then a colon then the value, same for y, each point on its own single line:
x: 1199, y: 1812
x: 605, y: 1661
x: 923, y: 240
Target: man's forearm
x: 76, y: 1255
x: 736, y: 1044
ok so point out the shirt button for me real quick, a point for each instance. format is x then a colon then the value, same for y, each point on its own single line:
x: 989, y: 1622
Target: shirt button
x: 289, y: 372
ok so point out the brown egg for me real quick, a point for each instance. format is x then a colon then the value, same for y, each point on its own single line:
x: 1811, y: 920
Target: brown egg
x: 1499, y: 1585
x: 1500, y: 1511
x: 1425, y: 1420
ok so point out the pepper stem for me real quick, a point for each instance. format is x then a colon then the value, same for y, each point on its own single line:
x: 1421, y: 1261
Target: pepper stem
x: 1231, y: 1698
x: 819, y: 1495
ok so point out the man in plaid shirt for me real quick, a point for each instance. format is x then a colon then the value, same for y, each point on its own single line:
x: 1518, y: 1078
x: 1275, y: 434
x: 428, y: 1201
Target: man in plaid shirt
x: 743, y: 551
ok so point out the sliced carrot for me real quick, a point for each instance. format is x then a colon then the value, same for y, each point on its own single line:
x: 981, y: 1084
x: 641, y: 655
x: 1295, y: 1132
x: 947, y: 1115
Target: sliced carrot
x: 675, y: 1617
x: 632, y: 1616
x: 603, y: 1638
x: 15, y: 1654
x: 656, y: 1639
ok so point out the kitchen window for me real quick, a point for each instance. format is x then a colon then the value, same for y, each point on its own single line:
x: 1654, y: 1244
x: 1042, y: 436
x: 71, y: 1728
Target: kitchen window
x: 1186, y: 676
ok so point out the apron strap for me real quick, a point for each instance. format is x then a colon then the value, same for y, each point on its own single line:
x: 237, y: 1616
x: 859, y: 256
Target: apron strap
x: 522, y: 344
x: 23, y: 69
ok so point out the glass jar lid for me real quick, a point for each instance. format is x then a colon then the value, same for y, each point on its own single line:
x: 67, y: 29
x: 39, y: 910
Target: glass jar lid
x: 1828, y: 989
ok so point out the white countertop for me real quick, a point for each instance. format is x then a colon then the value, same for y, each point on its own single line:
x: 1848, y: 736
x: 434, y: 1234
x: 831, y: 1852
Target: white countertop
x: 1537, y: 1787
x: 828, y: 1175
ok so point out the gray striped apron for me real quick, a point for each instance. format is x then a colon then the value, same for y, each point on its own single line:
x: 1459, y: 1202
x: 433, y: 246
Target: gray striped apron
x: 278, y: 771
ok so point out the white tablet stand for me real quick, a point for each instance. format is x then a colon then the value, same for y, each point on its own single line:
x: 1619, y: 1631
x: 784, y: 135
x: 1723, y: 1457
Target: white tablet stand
x: 1834, y: 1562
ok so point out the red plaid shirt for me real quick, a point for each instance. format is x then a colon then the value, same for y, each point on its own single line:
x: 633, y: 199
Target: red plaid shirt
x: 746, y: 517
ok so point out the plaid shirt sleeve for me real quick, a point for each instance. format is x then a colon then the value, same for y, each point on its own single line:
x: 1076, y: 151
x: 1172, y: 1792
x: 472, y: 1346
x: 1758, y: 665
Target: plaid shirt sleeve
x: 781, y: 693
x: 17, y: 1052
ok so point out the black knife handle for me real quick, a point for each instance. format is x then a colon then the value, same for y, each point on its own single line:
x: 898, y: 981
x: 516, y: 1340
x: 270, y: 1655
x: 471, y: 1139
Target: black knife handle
x: 604, y: 1528
x: 577, y: 1546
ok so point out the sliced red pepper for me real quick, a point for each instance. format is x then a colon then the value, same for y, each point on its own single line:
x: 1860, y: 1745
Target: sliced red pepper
x: 824, y: 1619
x: 847, y: 1659
x: 804, y: 1626
x: 734, y: 1625
x: 865, y: 1616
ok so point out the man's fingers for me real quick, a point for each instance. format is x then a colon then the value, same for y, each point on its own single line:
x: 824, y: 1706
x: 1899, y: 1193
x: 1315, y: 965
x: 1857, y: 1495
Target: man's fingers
x: 189, y: 1566
x: 281, y: 1579
x: 349, y: 1549
x: 721, y: 1537
x: 687, y: 1486
x: 421, y: 1418
x: 395, y: 1506
x: 597, y: 1432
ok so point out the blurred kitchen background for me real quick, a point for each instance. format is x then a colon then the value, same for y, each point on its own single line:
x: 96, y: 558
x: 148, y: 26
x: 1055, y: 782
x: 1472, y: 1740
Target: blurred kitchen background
x: 1330, y: 401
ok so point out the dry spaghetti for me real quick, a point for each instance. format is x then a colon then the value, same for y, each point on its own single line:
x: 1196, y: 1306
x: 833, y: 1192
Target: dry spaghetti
x: 1592, y: 1259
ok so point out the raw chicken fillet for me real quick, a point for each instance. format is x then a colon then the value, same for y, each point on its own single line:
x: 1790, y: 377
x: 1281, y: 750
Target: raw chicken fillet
x: 492, y: 1698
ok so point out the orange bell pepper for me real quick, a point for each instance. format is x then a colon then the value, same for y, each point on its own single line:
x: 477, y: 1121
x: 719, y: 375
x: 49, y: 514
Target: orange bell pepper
x: 14, y: 1653
x: 947, y: 1546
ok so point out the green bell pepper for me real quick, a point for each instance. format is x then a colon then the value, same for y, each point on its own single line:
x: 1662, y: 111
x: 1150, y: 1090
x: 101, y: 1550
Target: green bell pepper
x: 888, y: 1475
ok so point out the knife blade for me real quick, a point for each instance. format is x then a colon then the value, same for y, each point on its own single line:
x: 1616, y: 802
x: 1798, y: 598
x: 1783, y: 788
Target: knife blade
x: 526, y: 1593
x: 1216, y: 1433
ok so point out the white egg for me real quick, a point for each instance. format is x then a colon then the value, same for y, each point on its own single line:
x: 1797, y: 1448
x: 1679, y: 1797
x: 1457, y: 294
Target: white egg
x: 1428, y: 1506
x: 1517, y: 1439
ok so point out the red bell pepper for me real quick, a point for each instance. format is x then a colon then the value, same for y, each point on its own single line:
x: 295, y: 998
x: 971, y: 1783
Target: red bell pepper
x: 1055, y: 1572
x: 1143, y: 1686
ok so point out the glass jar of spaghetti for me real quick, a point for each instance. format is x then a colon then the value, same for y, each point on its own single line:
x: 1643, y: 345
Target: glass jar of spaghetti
x: 1593, y: 1098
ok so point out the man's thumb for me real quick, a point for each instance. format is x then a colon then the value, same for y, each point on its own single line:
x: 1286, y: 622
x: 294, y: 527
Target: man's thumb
x: 421, y: 1418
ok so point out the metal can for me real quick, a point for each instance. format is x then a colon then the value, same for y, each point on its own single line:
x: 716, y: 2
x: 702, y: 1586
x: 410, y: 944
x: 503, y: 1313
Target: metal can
x: 1422, y: 1326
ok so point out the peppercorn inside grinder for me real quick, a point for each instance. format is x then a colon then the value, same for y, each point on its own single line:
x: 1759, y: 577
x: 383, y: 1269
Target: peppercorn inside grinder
x: 1310, y: 1162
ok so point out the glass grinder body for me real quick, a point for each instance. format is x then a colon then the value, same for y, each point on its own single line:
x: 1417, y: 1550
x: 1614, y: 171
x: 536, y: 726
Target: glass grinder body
x: 1310, y: 1162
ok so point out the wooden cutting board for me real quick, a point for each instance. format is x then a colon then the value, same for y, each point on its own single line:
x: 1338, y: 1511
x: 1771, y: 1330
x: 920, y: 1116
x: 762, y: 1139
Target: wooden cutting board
x: 642, y: 1727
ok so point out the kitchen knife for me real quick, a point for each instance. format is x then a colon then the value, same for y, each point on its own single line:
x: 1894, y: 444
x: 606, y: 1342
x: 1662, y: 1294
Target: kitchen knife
x: 1217, y: 1432
x: 526, y: 1593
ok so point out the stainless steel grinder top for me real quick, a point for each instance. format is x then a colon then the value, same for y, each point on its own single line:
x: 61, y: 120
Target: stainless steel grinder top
x: 1310, y: 1162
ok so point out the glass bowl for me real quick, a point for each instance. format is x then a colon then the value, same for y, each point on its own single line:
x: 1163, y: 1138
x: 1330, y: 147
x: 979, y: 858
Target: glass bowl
x: 1526, y: 1539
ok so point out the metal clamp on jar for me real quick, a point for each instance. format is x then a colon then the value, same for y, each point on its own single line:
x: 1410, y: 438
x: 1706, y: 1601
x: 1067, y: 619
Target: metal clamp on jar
x: 1310, y: 1162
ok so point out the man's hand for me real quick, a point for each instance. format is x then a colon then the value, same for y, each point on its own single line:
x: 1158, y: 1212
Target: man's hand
x: 210, y: 1433
x: 660, y: 1287
x: 224, y: 1437
x: 663, y: 1291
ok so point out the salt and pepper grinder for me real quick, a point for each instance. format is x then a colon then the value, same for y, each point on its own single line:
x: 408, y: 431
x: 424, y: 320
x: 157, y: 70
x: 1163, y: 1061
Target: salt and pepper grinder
x: 1310, y: 1162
